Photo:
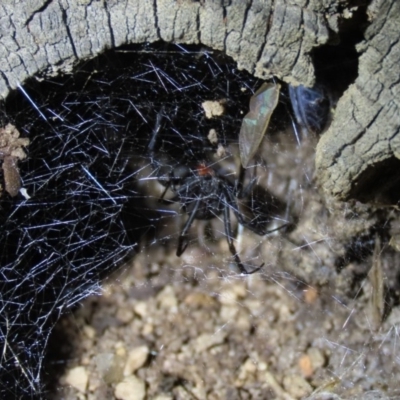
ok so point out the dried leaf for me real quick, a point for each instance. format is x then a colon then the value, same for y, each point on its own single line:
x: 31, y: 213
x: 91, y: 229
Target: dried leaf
x: 12, y: 180
x: 11, y: 150
x: 378, y: 288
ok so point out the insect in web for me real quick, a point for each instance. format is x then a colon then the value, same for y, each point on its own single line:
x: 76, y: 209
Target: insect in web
x: 311, y: 107
x: 204, y: 192
x: 255, y: 123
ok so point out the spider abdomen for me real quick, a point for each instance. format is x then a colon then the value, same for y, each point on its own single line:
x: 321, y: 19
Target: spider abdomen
x: 202, y: 195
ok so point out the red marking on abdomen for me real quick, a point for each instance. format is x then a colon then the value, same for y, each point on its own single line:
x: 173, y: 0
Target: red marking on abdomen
x: 203, y: 170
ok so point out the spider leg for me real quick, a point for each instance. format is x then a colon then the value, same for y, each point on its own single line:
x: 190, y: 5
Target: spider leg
x: 233, y: 204
x: 258, y: 230
x: 272, y: 230
x: 229, y: 238
x: 161, y: 199
x: 240, y: 180
x: 182, y: 242
x: 243, y: 192
x: 181, y: 193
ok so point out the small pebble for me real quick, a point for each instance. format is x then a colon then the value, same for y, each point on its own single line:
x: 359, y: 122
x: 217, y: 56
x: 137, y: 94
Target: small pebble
x: 78, y: 378
x: 136, y: 359
x: 131, y: 388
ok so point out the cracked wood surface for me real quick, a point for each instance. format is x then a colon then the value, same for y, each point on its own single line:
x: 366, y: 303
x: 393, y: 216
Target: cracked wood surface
x: 359, y: 156
x: 267, y: 38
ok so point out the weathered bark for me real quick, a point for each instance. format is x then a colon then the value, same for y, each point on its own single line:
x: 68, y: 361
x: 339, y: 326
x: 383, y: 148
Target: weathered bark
x: 267, y: 38
x: 359, y: 157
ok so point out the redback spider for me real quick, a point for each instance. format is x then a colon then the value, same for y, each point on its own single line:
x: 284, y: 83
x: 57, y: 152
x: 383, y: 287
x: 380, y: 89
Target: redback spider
x: 204, y: 192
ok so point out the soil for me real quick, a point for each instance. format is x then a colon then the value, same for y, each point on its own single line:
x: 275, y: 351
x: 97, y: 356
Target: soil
x: 318, y: 321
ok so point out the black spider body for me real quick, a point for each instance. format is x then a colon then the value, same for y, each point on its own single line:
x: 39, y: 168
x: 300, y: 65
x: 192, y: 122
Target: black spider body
x: 200, y: 192
x: 204, y: 192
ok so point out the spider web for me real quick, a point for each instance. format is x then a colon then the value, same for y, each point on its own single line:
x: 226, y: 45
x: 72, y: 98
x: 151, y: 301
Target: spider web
x: 84, y: 216
x: 94, y: 195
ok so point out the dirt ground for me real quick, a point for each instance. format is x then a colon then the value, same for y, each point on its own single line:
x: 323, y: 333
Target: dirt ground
x: 308, y: 325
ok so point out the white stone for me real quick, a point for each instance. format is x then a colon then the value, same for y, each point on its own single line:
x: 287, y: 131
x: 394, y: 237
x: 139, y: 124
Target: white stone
x: 78, y: 378
x: 131, y: 388
x: 136, y: 359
